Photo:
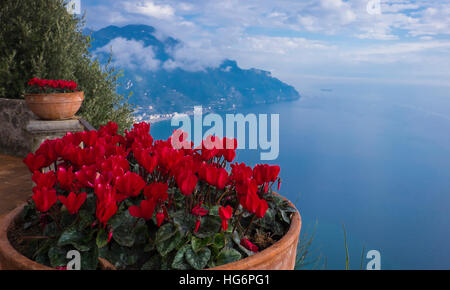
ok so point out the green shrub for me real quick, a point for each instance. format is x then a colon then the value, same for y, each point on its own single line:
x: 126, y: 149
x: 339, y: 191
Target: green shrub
x: 39, y: 38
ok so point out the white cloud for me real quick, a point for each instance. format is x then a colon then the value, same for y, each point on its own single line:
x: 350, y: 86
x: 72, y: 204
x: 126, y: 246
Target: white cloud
x: 131, y: 54
x: 279, y: 45
x: 148, y: 8
x: 399, y: 52
x: 194, y: 56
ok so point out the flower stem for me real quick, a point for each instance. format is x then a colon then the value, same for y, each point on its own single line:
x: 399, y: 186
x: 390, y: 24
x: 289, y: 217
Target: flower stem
x: 237, y: 222
x: 222, y: 196
x: 249, y: 225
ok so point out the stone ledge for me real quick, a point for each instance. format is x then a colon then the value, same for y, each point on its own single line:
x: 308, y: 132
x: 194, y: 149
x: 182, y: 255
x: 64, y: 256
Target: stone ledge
x: 54, y: 127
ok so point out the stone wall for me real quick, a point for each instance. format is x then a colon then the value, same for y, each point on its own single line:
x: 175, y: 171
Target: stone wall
x: 14, y: 117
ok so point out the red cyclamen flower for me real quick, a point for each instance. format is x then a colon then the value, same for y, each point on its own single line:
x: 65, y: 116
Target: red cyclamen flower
x: 105, y: 210
x: 187, y: 182
x: 44, y: 198
x: 199, y: 212
x: 73, y: 201
x: 65, y: 177
x: 145, y: 210
x: 86, y: 176
x: 160, y: 218
x: 249, y: 245
x: 262, y: 208
x: 35, y: 162
x: 225, y: 214
x: 130, y: 184
x: 215, y: 176
x: 156, y: 191
x: 44, y: 179
x: 265, y: 173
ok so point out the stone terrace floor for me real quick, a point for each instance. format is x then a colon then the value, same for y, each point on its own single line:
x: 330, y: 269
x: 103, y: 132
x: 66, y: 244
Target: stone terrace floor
x: 15, y: 183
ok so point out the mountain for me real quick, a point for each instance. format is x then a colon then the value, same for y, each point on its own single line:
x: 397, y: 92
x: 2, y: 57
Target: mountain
x: 165, y: 90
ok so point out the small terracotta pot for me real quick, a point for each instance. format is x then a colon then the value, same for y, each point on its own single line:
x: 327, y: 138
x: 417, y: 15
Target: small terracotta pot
x: 55, y: 106
x: 11, y: 259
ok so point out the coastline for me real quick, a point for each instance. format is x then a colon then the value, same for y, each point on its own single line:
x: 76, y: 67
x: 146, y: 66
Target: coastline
x: 157, y: 118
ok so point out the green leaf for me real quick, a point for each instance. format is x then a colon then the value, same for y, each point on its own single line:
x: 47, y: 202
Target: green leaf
x: 210, y: 225
x: 218, y: 240
x: 165, y: 232
x: 124, y: 236
x: 123, y: 228
x: 198, y: 260
x: 179, y: 263
x: 278, y: 200
x: 198, y: 244
x: 70, y: 236
x: 102, y: 238
x: 141, y: 232
x: 154, y: 263
x: 57, y: 257
x: 89, y: 260
x: 184, y: 222
x: 285, y: 216
x: 73, y: 236
x: 228, y: 255
x: 270, y: 222
x: 166, y: 246
x: 86, y: 219
x: 122, y: 219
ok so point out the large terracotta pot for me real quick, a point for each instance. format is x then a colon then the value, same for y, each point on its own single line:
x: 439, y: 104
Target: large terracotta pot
x: 56, y: 106
x: 280, y: 256
x: 11, y: 259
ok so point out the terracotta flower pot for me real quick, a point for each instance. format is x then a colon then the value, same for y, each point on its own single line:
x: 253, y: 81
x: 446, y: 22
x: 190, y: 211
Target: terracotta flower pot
x: 11, y: 259
x: 55, y: 106
x: 280, y: 256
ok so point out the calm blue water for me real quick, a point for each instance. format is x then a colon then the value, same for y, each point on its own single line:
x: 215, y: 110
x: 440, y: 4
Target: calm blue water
x: 375, y: 161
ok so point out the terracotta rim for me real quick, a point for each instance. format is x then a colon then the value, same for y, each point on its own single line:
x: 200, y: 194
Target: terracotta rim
x: 8, y: 253
x: 58, y: 97
x: 276, y: 249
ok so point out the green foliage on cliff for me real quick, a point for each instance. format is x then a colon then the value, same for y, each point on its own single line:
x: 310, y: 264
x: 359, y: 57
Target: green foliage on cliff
x: 39, y: 38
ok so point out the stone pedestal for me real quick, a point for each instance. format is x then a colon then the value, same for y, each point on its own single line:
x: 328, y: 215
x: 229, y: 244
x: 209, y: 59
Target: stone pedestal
x: 39, y: 130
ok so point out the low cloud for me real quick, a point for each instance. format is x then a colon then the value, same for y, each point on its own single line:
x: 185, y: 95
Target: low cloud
x: 131, y: 54
x: 195, y: 56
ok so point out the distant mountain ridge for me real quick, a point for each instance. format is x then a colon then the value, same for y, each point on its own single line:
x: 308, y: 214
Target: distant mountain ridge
x: 163, y: 90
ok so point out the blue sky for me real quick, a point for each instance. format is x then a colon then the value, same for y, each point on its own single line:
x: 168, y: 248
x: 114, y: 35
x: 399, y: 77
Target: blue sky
x: 305, y: 43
